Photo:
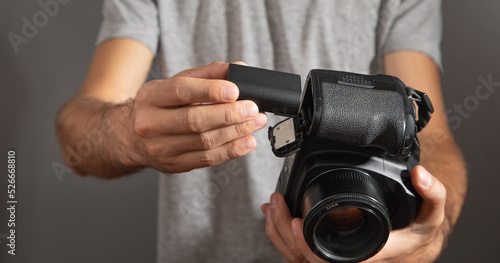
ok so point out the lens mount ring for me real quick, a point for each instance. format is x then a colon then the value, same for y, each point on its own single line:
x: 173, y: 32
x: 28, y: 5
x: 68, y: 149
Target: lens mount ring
x: 326, y: 195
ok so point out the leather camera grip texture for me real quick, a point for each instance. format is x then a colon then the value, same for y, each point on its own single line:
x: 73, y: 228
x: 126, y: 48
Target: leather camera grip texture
x: 362, y: 116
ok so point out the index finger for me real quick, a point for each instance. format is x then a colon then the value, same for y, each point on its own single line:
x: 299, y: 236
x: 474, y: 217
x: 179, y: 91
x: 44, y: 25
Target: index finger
x: 178, y: 91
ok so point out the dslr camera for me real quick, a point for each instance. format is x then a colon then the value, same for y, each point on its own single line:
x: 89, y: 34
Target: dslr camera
x: 350, y: 144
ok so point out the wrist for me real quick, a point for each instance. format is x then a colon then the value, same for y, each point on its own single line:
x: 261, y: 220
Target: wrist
x: 129, y: 147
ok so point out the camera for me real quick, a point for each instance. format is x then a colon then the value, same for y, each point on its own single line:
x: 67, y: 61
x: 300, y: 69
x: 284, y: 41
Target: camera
x: 350, y: 143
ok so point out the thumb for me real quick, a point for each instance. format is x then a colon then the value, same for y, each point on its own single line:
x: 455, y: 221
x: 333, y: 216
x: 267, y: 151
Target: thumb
x: 433, y: 195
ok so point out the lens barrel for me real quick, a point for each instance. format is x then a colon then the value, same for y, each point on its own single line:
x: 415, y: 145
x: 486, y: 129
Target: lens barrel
x: 345, y: 216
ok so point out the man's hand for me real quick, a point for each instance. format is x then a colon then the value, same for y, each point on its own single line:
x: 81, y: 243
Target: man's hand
x: 421, y: 241
x: 117, y: 125
x: 193, y: 120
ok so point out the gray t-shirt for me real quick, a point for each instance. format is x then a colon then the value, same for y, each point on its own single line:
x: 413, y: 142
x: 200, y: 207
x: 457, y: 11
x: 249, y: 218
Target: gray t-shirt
x: 213, y: 214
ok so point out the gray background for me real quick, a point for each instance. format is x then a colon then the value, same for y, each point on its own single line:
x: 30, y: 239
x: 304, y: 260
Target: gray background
x: 68, y: 218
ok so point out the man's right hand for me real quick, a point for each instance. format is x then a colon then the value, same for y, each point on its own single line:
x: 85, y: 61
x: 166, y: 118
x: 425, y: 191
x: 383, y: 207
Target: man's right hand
x: 189, y: 121
x: 193, y: 120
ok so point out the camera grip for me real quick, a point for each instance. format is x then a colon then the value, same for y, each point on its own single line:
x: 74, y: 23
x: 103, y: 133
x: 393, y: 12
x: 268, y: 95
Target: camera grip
x: 363, y: 117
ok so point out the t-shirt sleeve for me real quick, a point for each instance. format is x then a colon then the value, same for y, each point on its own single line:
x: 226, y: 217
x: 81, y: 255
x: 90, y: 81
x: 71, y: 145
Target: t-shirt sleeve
x: 418, y: 27
x: 135, y: 19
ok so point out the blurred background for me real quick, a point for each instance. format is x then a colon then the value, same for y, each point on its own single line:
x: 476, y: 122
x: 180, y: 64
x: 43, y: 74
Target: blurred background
x: 61, y: 217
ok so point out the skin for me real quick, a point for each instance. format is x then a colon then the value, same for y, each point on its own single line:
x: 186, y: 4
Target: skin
x: 117, y: 125
x: 442, y: 184
x: 161, y: 123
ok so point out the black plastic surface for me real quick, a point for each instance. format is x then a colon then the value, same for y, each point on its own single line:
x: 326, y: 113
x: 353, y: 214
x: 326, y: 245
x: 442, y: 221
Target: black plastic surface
x: 272, y: 91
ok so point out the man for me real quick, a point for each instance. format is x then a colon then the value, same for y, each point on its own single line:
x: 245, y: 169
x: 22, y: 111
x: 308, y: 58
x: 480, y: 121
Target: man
x: 192, y: 120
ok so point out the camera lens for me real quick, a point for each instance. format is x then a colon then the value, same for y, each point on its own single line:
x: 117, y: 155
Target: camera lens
x: 346, y: 219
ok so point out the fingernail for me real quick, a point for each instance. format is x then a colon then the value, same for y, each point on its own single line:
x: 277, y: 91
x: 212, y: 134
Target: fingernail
x: 249, y: 144
x: 425, y: 178
x: 230, y: 92
x: 274, y: 200
x: 240, y: 63
x: 260, y: 121
x: 250, y: 110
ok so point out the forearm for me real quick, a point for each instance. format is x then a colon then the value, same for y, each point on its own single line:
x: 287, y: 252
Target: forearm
x: 439, y: 152
x: 95, y: 137
x: 443, y: 159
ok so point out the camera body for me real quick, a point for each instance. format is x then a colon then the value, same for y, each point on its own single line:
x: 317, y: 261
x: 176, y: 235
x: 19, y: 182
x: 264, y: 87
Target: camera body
x: 350, y: 145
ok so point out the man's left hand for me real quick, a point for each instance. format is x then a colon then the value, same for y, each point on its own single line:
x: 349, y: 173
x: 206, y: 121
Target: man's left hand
x: 421, y: 241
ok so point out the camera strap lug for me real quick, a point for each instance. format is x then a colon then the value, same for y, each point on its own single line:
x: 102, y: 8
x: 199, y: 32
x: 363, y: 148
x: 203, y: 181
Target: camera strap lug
x: 425, y: 108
